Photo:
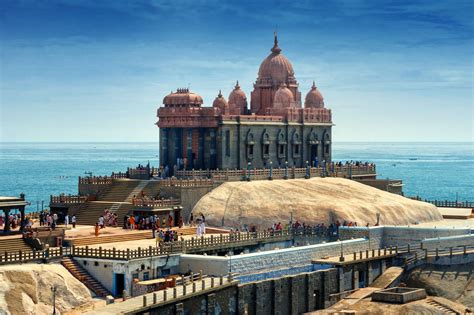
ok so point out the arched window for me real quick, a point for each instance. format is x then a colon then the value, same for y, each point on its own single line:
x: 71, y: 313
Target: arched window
x: 249, y: 143
x: 265, y: 145
x: 281, y: 143
x: 296, y: 142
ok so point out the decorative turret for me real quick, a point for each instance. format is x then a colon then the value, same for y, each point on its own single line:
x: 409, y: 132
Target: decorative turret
x: 314, y: 99
x: 283, y: 98
x: 237, y: 101
x: 221, y: 104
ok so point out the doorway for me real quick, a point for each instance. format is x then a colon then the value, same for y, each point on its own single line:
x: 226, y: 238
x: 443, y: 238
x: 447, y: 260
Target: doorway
x: 314, y: 154
x: 362, y: 279
x: 119, y: 284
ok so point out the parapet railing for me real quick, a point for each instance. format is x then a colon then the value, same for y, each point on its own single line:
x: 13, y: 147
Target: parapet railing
x: 278, y: 173
x: 69, y: 199
x: 156, y: 203
x: 192, y: 245
x: 416, y: 253
x: 186, y: 182
x: 447, y: 203
x: 96, y: 180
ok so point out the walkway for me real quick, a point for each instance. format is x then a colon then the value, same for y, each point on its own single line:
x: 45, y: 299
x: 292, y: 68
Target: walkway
x: 149, y: 301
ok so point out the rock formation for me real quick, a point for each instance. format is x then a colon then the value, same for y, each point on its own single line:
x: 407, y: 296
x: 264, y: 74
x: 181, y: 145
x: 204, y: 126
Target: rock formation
x: 26, y: 289
x: 313, y: 201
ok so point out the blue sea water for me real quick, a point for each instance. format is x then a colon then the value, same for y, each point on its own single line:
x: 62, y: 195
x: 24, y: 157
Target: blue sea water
x: 430, y: 170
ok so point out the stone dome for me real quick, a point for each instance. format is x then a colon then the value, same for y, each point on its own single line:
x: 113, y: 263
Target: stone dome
x: 314, y: 98
x: 283, y: 97
x: 238, y: 100
x: 182, y: 97
x: 221, y: 103
x: 276, y: 68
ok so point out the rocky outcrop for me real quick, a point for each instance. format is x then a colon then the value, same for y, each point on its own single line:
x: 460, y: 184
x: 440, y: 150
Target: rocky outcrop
x: 316, y: 200
x: 454, y: 282
x: 26, y: 289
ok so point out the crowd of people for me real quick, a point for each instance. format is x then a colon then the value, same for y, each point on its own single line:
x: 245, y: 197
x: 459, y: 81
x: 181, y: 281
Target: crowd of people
x: 13, y: 219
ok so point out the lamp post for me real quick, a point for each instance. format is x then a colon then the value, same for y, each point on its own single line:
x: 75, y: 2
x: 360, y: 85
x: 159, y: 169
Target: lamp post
x: 307, y: 170
x: 53, y: 289
x: 286, y: 170
x: 341, y: 258
x: 271, y: 171
x: 248, y: 171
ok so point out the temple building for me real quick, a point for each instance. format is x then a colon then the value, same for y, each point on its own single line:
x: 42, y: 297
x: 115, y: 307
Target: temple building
x: 278, y: 128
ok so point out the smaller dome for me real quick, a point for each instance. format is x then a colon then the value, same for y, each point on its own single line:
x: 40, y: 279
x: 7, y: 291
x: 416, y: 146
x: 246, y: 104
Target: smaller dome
x: 183, y: 97
x: 238, y: 100
x: 283, y: 97
x: 221, y: 103
x: 314, y: 98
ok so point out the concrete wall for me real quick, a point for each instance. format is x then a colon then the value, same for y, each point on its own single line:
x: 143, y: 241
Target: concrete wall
x: 374, y: 233
x: 383, y: 184
x: 395, y: 235
x: 92, y: 189
x: 270, y: 260
x: 449, y: 241
x: 382, y: 236
x: 287, y: 295
x: 103, y: 270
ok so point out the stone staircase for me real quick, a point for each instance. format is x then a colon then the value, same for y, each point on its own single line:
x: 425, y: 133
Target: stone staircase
x: 123, y: 190
x: 440, y: 307
x: 90, y: 213
x: 117, y: 199
x: 13, y: 244
x: 82, y: 275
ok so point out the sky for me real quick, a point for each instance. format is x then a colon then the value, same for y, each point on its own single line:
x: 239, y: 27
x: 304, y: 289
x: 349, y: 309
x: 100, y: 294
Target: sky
x: 91, y: 70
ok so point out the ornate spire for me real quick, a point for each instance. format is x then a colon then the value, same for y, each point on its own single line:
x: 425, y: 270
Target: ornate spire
x: 220, y: 94
x: 275, y: 48
x: 314, y: 86
x: 237, y: 86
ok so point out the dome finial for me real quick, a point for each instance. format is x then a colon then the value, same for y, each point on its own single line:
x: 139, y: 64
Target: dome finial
x: 275, y: 48
x: 314, y: 86
x: 220, y: 94
x: 237, y: 86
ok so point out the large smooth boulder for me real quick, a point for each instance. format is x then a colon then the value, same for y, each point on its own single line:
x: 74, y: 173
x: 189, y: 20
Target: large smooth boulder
x: 313, y: 201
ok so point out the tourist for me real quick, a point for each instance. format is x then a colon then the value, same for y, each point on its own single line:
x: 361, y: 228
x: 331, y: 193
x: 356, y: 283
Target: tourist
x: 132, y: 222
x: 41, y: 218
x: 170, y: 221
x: 66, y: 220
x: 55, y: 218
x: 203, y: 228
x: 180, y: 222
x: 198, y: 228
x: 73, y: 221
x: 191, y: 220
x: 101, y: 222
x: 96, y: 229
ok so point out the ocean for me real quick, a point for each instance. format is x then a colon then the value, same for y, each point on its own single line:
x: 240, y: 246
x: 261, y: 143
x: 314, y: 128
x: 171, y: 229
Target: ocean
x: 443, y: 171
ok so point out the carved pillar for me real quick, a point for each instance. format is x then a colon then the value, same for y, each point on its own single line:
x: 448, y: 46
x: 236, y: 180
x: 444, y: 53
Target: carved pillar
x: 189, y: 148
x: 201, y: 148
x: 164, y: 146
x: 213, y: 150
